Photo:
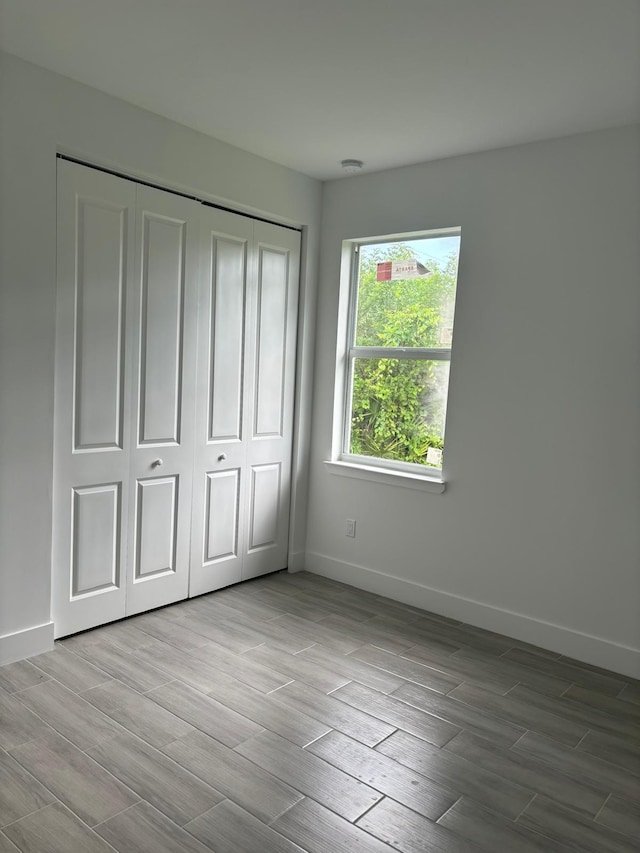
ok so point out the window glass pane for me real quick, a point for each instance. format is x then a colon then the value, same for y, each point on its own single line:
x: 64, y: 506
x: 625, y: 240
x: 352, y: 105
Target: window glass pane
x: 406, y: 293
x: 398, y: 409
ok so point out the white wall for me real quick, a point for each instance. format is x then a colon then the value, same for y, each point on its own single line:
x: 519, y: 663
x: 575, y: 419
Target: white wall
x: 537, y: 534
x: 42, y: 113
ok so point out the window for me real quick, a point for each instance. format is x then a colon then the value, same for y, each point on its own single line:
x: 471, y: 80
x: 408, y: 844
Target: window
x: 396, y: 365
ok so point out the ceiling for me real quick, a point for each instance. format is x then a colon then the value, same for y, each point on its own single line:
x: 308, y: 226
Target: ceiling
x: 307, y: 83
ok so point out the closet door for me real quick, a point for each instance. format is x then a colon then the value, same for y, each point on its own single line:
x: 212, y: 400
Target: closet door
x: 272, y: 309
x: 163, y: 349
x: 96, y: 222
x: 246, y: 370
x: 175, y: 363
x: 219, y: 535
x: 125, y: 397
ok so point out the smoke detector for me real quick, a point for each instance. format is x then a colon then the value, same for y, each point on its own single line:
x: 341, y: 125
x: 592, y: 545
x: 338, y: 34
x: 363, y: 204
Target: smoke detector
x: 352, y: 166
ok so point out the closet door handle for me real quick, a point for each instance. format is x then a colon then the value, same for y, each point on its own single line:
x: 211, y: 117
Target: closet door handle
x: 157, y: 463
x: 222, y: 457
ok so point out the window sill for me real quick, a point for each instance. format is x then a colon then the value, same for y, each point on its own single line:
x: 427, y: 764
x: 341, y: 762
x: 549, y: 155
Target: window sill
x: 386, y: 476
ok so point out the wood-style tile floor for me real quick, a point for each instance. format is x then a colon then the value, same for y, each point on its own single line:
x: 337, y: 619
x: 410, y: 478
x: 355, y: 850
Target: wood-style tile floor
x: 294, y: 713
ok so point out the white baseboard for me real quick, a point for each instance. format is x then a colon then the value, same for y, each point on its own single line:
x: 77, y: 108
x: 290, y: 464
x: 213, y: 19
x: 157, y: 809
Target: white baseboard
x: 24, y: 644
x: 585, y: 647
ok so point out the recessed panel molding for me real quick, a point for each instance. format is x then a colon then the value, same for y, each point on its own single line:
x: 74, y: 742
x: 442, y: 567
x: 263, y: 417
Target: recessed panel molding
x: 271, y: 352
x: 100, y: 292
x: 156, y: 523
x: 221, y: 515
x: 228, y: 282
x: 161, y: 330
x: 95, y: 539
x: 265, y: 502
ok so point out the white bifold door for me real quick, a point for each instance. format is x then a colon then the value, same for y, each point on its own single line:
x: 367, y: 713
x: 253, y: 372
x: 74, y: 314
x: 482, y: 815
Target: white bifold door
x: 244, y: 412
x: 171, y: 451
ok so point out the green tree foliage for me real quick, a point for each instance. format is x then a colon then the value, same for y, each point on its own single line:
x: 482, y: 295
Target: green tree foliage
x: 398, y: 405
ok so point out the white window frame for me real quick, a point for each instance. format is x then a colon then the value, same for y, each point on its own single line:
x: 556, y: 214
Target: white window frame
x: 342, y: 462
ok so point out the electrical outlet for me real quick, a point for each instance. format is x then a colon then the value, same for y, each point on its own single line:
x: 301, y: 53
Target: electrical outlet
x: 351, y: 528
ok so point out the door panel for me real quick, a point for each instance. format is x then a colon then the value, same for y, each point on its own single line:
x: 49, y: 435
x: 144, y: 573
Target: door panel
x: 270, y: 385
x: 271, y: 333
x: 156, y: 524
x: 162, y: 327
x: 96, y: 217
x: 99, y: 328
x: 264, y: 502
x: 223, y: 497
x: 227, y: 296
x: 218, y: 532
x: 246, y: 361
x: 96, y: 530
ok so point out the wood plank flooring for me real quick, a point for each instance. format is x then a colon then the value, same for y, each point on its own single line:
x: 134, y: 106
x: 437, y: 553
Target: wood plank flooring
x: 294, y: 713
